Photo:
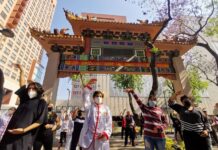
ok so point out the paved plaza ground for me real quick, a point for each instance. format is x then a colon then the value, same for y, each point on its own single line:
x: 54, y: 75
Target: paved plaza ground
x: 116, y: 143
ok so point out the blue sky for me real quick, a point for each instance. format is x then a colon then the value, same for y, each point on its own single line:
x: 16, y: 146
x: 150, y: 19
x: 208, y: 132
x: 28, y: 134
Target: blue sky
x: 112, y: 7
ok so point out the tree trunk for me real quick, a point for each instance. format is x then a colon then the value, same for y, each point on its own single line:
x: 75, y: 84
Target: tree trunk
x: 154, y: 75
x: 213, y: 53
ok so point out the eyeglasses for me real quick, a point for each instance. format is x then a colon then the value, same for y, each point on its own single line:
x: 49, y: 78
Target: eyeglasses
x: 31, y: 88
x: 98, y: 96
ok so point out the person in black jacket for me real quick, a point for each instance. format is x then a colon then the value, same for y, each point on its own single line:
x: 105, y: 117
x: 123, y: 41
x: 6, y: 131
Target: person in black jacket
x: 29, y: 116
x: 78, y: 125
x: 45, y: 135
x: 194, y: 124
x: 176, y: 125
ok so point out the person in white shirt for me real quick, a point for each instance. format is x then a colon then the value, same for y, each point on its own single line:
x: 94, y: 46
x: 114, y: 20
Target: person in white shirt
x: 97, y: 127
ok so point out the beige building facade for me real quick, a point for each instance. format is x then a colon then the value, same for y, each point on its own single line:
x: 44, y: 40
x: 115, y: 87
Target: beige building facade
x: 20, y: 15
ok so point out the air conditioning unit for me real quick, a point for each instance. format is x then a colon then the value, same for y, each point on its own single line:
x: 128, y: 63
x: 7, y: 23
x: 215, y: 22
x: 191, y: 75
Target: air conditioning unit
x: 140, y: 53
x: 96, y: 51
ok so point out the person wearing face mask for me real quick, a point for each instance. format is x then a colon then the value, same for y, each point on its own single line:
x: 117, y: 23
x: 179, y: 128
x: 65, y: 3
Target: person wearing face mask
x: 154, y: 122
x: 46, y: 131
x: 97, y: 127
x: 78, y: 124
x: 26, y: 120
x: 195, y: 125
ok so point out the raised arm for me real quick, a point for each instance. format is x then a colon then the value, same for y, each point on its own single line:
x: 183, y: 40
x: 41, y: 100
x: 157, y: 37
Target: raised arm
x: 21, y: 80
x: 87, y: 94
x: 172, y: 102
x: 138, y: 101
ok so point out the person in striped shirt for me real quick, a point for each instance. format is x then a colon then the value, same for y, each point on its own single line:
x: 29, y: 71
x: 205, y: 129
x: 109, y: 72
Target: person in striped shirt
x: 154, y: 122
x: 195, y: 125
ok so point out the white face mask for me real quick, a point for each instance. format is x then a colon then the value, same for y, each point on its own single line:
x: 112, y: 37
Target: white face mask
x: 98, y: 100
x: 32, y: 94
x: 152, y: 103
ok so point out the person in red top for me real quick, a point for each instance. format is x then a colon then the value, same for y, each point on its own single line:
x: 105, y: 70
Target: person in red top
x: 154, y: 122
x: 123, y: 127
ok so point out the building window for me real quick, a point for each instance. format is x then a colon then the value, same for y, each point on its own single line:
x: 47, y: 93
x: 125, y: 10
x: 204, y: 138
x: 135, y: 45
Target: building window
x: 13, y: 76
x: 7, y: 8
x: 10, y: 43
x: 3, y: 60
x: 21, y: 53
x: 10, y: 2
x: 13, y: 56
x: 3, y: 15
x: 18, y: 42
x: 7, y: 72
x: 10, y: 63
x: 7, y: 51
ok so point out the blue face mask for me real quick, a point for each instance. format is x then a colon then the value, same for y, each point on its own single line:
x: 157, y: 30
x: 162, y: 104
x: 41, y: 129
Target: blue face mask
x: 152, y: 103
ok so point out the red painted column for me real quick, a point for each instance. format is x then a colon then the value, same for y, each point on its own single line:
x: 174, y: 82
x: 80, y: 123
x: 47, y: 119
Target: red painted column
x: 87, y: 45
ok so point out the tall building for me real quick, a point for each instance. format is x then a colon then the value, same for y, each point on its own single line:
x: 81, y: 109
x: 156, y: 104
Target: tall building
x: 19, y: 15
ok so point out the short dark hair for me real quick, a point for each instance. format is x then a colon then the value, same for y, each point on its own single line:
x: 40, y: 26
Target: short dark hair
x: 183, y: 98
x: 38, y: 86
x: 96, y: 93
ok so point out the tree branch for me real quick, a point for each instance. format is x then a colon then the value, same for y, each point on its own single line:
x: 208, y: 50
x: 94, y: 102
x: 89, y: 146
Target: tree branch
x: 165, y: 22
x: 205, y: 74
x: 202, y: 26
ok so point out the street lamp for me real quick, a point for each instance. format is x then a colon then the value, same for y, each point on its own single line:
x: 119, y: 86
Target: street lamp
x: 7, y: 33
x: 10, y: 34
x: 68, y: 100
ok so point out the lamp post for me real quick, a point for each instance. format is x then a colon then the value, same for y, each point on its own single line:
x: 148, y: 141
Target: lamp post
x: 7, y: 33
x: 68, y: 100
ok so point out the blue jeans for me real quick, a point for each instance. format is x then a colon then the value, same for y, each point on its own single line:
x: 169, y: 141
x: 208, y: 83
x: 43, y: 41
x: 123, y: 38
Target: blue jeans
x: 157, y: 143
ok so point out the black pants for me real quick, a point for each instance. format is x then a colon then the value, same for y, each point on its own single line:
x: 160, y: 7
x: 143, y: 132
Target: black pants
x: 214, y: 134
x: 63, y: 137
x: 122, y: 131
x: 129, y: 132
x: 193, y: 141
x: 141, y: 130
x: 180, y: 133
x: 44, y: 139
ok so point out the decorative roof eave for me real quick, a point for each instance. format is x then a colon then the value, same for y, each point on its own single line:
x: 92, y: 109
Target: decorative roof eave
x: 49, y: 39
x: 79, y: 24
x: 183, y: 47
x: 45, y: 34
x: 63, y: 74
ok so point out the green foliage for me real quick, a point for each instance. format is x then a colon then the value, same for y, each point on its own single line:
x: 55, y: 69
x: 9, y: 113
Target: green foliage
x: 123, y: 81
x: 198, y: 86
x: 154, y: 50
x: 75, y: 77
x: 169, y: 85
x: 212, y: 28
x: 170, y: 143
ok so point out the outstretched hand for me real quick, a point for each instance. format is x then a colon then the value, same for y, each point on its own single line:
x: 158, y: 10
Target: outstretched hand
x: 175, y: 95
x: 128, y: 90
x: 17, y: 131
x: 18, y: 66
